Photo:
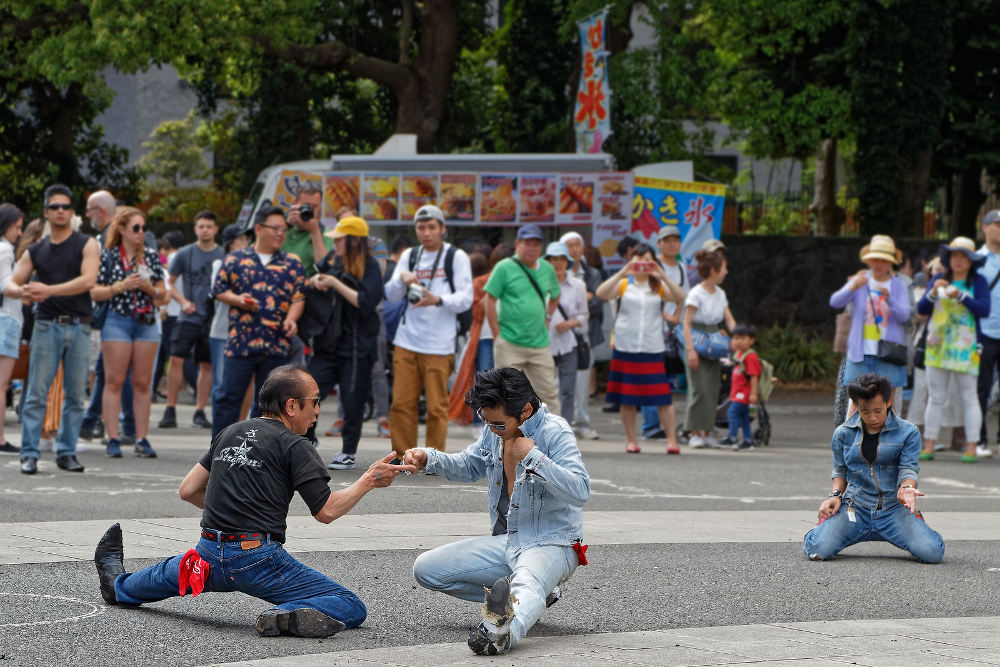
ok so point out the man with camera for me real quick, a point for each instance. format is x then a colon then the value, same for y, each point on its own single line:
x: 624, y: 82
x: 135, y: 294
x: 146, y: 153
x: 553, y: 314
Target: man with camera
x: 436, y: 279
x: 305, y: 239
x: 193, y: 265
x: 262, y: 285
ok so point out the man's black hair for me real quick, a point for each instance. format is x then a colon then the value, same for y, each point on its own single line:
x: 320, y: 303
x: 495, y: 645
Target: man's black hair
x: 502, y: 387
x: 265, y: 213
x: 57, y: 189
x: 744, y: 330
x: 206, y: 215
x: 868, y: 386
x: 399, y: 244
x: 283, y: 383
x: 627, y: 243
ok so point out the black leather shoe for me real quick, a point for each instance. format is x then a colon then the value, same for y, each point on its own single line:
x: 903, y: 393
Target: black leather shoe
x: 303, y: 622
x: 109, y: 558
x: 200, y: 420
x: 612, y: 407
x: 69, y: 464
x: 29, y: 466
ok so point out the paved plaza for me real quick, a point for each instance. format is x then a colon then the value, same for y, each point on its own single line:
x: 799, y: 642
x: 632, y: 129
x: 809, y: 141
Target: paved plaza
x: 695, y: 560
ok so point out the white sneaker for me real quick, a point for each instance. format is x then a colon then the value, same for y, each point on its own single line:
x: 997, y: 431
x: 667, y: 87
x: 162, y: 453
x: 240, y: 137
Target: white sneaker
x: 711, y: 442
x: 587, y: 434
x: 983, y: 452
x: 696, y: 442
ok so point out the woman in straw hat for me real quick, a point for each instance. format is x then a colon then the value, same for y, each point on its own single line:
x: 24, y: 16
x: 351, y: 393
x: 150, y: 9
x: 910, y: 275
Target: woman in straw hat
x: 881, y: 308
x: 955, y: 299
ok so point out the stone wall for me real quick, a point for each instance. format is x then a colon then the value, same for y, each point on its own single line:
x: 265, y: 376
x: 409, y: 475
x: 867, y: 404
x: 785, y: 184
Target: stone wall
x: 776, y: 279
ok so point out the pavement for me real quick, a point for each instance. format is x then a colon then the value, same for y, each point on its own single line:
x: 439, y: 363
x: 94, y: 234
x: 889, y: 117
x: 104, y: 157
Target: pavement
x: 695, y: 560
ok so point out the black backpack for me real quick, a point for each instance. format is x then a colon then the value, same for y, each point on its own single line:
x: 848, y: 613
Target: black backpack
x: 464, y: 318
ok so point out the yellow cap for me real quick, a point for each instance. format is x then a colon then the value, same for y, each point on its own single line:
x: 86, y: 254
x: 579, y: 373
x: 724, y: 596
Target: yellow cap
x: 352, y: 225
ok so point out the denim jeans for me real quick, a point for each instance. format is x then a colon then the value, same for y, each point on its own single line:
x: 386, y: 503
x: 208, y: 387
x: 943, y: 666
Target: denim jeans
x: 51, y: 343
x: 566, y: 372
x: 484, y: 354
x: 217, y: 350
x: 267, y: 572
x: 238, y: 371
x: 738, y: 415
x: 93, y: 413
x: 895, y: 525
x: 650, y: 420
x: 461, y: 569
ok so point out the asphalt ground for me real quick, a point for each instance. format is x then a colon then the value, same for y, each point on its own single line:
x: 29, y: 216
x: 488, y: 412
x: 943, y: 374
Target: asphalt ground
x: 52, y: 612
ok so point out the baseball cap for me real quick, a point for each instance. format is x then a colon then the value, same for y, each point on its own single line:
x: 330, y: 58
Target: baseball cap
x: 712, y: 245
x: 349, y: 226
x: 668, y: 230
x: 992, y: 216
x: 529, y: 232
x: 428, y: 212
x: 558, y: 249
x: 231, y: 233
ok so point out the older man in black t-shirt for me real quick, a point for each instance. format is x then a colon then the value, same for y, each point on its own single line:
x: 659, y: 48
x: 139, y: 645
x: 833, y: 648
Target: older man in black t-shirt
x: 245, y: 483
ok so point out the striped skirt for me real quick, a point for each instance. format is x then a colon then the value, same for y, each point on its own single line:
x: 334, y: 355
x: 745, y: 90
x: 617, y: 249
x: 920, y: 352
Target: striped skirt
x: 637, y: 379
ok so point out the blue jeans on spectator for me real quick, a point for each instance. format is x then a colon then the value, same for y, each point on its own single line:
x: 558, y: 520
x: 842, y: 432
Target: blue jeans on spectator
x: 217, y: 349
x: 738, y: 416
x: 93, y: 413
x: 51, y: 343
x: 238, y: 371
x: 650, y: 420
x: 484, y: 362
x: 267, y: 572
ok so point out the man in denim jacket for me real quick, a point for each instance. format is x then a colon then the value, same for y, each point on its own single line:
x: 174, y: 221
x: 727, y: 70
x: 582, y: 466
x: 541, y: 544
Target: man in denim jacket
x: 537, y: 485
x: 875, y: 469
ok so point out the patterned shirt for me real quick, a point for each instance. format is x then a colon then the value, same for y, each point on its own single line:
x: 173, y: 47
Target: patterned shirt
x: 275, y: 286
x: 133, y: 302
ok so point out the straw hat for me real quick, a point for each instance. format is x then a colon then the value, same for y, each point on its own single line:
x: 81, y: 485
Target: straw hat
x: 961, y: 244
x: 881, y: 247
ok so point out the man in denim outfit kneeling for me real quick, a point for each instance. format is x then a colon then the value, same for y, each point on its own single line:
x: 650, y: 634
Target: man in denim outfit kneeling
x: 536, y: 487
x: 244, y: 483
x: 875, y: 465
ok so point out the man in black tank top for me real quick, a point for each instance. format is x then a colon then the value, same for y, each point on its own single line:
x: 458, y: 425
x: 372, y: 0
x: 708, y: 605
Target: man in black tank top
x: 64, y: 267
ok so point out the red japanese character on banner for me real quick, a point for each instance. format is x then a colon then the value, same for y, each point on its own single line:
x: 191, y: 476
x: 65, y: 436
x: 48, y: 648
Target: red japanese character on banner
x: 596, y: 35
x: 591, y: 105
x: 699, y: 212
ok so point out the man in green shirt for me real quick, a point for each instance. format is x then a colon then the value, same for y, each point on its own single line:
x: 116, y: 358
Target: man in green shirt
x: 521, y: 328
x: 305, y: 238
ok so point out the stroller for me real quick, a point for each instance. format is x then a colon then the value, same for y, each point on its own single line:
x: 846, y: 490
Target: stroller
x: 758, y: 412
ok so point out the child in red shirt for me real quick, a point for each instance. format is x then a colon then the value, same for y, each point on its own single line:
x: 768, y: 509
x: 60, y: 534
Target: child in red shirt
x: 743, y: 387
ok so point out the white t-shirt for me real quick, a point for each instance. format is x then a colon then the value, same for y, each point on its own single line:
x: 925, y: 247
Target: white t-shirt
x: 639, y: 322
x: 11, y: 306
x: 677, y: 274
x: 220, y: 321
x: 572, y: 299
x: 431, y: 329
x: 173, y: 308
x: 710, y: 308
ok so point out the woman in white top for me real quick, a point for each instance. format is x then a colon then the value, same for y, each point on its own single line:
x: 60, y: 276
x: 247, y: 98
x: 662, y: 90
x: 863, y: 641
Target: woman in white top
x: 638, y: 376
x: 705, y: 309
x: 11, y: 220
x: 569, y: 320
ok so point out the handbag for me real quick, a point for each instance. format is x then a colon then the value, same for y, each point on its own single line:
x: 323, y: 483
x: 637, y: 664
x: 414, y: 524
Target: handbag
x: 582, y: 348
x: 892, y: 353
x: 100, y: 315
x: 713, y: 345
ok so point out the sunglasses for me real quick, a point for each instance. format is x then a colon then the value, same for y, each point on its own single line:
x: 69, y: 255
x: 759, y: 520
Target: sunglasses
x: 137, y: 228
x: 278, y: 229
x: 314, y: 399
x: 59, y: 207
x: 497, y: 426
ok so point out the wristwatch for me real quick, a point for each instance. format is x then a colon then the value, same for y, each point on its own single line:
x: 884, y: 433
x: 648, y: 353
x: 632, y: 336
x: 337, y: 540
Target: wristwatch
x: 837, y: 494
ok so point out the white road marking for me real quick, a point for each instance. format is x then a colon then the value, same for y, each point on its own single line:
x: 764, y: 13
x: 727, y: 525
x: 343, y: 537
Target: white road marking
x: 95, y: 609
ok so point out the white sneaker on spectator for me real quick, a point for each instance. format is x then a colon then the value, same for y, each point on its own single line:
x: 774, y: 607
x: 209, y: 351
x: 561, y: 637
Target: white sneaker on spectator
x: 711, y: 442
x: 983, y: 452
x: 696, y: 442
x: 587, y: 434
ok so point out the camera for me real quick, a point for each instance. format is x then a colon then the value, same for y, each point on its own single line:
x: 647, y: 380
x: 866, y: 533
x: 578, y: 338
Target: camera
x: 306, y: 212
x: 414, y: 293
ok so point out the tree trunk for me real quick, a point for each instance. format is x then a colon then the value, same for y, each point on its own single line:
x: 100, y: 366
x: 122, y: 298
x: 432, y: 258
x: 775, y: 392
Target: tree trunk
x: 829, y: 216
x: 966, y: 199
x: 913, y: 187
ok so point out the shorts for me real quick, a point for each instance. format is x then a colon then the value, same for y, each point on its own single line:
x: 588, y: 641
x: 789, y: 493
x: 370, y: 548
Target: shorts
x: 188, y: 336
x: 10, y: 336
x: 120, y: 329
x: 872, y: 364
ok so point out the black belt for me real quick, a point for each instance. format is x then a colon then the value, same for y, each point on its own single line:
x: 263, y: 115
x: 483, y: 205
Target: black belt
x: 67, y: 319
x: 219, y: 536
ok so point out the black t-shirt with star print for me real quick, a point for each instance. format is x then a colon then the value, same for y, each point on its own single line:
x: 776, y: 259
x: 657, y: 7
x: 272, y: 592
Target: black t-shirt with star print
x: 255, y: 467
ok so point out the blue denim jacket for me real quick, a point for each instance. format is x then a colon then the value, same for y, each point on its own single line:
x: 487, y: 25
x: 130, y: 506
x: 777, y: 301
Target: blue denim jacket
x: 551, y: 483
x: 873, y: 485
